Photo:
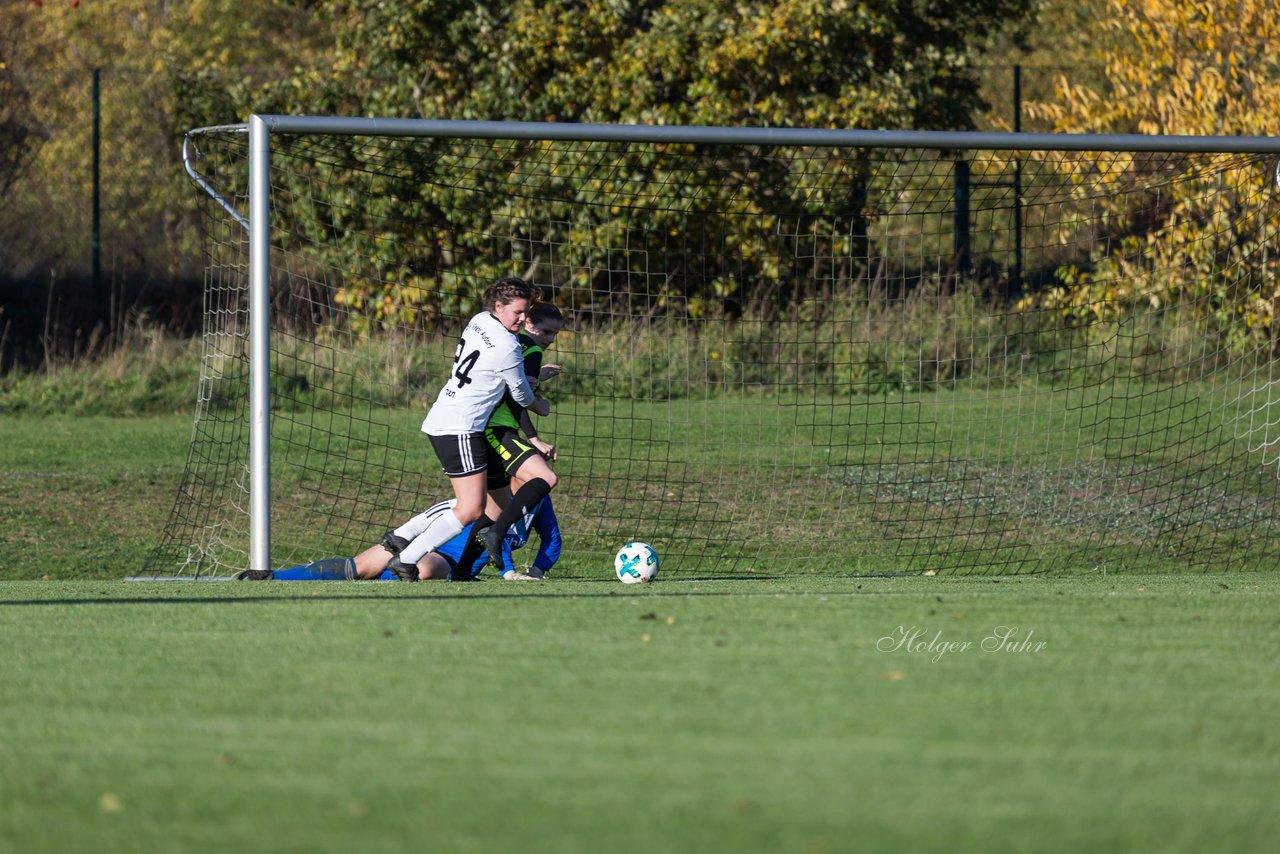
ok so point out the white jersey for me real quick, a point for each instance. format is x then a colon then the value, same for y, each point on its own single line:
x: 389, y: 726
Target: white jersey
x: 487, y: 363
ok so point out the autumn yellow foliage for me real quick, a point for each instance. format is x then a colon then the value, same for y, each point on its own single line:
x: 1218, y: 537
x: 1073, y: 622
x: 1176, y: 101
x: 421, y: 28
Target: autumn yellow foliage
x: 1175, y: 67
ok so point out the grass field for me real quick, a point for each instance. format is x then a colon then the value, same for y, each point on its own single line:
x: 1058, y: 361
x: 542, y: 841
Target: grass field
x: 916, y: 483
x: 1099, y: 712
x: 1027, y: 714
x: 86, y: 497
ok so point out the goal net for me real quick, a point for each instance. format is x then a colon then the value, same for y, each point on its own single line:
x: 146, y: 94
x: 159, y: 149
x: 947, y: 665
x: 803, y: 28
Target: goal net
x: 779, y: 357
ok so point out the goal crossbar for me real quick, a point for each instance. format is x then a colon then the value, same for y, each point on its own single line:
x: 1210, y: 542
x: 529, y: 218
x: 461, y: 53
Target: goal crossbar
x: 713, y: 135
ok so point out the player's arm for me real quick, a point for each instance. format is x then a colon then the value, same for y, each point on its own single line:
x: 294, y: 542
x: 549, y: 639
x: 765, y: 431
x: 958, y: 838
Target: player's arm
x: 510, y: 369
x: 533, y: 371
x: 521, y: 391
x: 536, y: 372
x: 526, y: 425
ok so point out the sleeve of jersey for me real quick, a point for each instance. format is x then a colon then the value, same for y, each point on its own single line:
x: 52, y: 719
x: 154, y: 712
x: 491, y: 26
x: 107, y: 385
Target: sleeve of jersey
x: 532, y: 367
x: 548, y: 528
x: 526, y: 424
x: 532, y: 360
x: 513, y: 374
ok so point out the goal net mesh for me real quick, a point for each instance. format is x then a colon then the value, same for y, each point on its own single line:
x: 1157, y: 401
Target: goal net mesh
x: 776, y: 360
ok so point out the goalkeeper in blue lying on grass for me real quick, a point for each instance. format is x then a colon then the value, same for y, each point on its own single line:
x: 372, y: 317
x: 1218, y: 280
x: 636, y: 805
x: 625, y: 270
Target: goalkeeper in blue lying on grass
x: 372, y: 562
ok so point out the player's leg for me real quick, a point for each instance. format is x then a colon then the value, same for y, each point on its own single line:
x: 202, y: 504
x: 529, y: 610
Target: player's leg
x: 464, y: 459
x: 434, y: 566
x: 396, y: 539
x: 531, y: 480
x: 499, y: 496
x: 326, y: 569
x: 532, y: 467
x: 453, y: 553
x: 470, y: 493
x: 498, y: 486
x: 372, y: 561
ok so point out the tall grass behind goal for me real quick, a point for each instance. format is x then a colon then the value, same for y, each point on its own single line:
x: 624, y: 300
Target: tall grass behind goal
x: 780, y: 356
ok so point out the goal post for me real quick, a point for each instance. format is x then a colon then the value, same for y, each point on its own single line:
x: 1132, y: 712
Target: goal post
x: 259, y: 344
x: 789, y: 350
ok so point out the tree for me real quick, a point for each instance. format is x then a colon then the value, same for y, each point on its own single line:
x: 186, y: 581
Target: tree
x: 1064, y: 38
x: 17, y: 134
x: 1180, y: 67
x: 164, y: 66
x: 813, y: 63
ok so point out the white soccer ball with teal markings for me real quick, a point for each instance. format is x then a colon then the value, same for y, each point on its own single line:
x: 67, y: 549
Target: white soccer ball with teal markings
x: 636, y: 563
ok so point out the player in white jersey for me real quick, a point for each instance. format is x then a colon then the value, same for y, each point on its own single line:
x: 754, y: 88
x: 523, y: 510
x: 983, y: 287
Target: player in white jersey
x: 487, y: 364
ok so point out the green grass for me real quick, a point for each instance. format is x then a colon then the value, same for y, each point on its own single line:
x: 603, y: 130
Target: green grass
x: 685, y: 716
x: 968, y: 481
x: 1141, y: 491
x: 1017, y: 473
x: 86, y: 497
x: 146, y: 373
x: 580, y: 715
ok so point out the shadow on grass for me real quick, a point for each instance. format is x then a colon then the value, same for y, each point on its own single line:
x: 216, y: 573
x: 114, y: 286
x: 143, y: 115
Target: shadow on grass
x: 449, y: 593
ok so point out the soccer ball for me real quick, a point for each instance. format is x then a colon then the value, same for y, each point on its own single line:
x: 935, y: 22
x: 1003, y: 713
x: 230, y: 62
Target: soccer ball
x: 636, y: 563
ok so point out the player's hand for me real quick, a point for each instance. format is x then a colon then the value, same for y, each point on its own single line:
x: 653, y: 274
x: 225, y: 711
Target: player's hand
x: 540, y: 406
x: 547, y: 372
x: 548, y: 451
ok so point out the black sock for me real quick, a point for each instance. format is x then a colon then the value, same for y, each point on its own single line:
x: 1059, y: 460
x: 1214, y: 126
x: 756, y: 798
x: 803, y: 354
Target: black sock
x: 525, y: 499
x: 471, y: 551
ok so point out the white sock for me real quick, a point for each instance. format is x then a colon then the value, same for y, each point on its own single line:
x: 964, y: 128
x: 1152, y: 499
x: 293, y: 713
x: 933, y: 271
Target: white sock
x: 416, y: 525
x: 441, y: 530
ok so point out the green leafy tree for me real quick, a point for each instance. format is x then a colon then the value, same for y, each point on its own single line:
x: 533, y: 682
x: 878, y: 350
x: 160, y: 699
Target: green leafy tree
x: 777, y: 63
x: 813, y: 63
